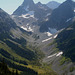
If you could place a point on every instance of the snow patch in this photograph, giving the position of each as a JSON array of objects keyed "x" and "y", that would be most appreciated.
[
  {"x": 27, "y": 24},
  {"x": 24, "y": 16},
  {"x": 48, "y": 14},
  {"x": 55, "y": 36},
  {"x": 68, "y": 19},
  {"x": 74, "y": 10},
  {"x": 48, "y": 33},
  {"x": 56, "y": 54},
  {"x": 46, "y": 19},
  {"x": 47, "y": 39},
  {"x": 52, "y": 55},
  {"x": 29, "y": 29},
  {"x": 28, "y": 15},
  {"x": 59, "y": 54}
]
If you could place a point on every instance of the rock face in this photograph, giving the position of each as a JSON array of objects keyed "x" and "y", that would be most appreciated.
[
  {"x": 29, "y": 15},
  {"x": 29, "y": 7},
  {"x": 61, "y": 17},
  {"x": 53, "y": 4},
  {"x": 25, "y": 7}
]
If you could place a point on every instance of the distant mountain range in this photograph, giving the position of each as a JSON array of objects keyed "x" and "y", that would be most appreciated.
[{"x": 53, "y": 4}]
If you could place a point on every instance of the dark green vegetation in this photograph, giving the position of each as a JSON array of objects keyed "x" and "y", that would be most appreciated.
[
  {"x": 66, "y": 42},
  {"x": 6, "y": 23},
  {"x": 4, "y": 70},
  {"x": 15, "y": 51}
]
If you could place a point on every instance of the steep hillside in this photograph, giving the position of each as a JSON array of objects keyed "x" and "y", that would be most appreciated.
[
  {"x": 65, "y": 42},
  {"x": 61, "y": 52},
  {"x": 61, "y": 17},
  {"x": 6, "y": 23},
  {"x": 15, "y": 50}
]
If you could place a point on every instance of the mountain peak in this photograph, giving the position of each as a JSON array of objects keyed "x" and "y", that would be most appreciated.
[
  {"x": 28, "y": 2},
  {"x": 53, "y": 4},
  {"x": 39, "y": 3}
]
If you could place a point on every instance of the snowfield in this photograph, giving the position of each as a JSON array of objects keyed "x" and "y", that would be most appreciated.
[
  {"x": 28, "y": 15},
  {"x": 56, "y": 54},
  {"x": 55, "y": 36},
  {"x": 48, "y": 33},
  {"x": 68, "y": 19},
  {"x": 74, "y": 9},
  {"x": 52, "y": 55},
  {"x": 59, "y": 54},
  {"x": 47, "y": 39},
  {"x": 24, "y": 16},
  {"x": 48, "y": 14},
  {"x": 27, "y": 29}
]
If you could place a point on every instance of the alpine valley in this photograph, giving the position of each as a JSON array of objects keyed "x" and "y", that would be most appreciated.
[{"x": 38, "y": 39}]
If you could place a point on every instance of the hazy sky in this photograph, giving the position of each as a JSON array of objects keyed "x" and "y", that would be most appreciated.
[{"x": 10, "y": 5}]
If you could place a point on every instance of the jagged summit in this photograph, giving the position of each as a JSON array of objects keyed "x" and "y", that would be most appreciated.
[
  {"x": 27, "y": 5},
  {"x": 39, "y": 3},
  {"x": 28, "y": 2}
]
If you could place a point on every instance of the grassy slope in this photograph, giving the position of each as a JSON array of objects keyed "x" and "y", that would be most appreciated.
[
  {"x": 14, "y": 49},
  {"x": 20, "y": 61}
]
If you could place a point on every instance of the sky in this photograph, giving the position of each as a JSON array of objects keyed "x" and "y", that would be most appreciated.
[{"x": 11, "y": 5}]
